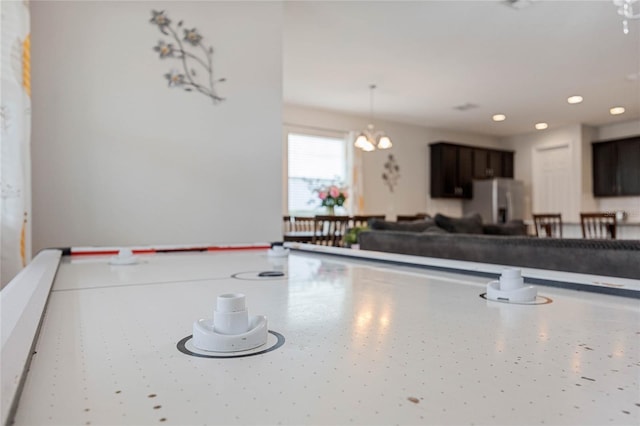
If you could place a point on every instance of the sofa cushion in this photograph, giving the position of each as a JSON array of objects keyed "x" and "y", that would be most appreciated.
[
  {"x": 617, "y": 258},
  {"x": 460, "y": 225},
  {"x": 409, "y": 226},
  {"x": 514, "y": 227}
]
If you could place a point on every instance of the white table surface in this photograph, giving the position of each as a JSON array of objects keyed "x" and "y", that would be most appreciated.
[{"x": 366, "y": 343}]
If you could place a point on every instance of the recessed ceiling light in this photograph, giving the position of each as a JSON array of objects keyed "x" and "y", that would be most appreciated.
[
  {"x": 541, "y": 126},
  {"x": 499, "y": 117},
  {"x": 617, "y": 110},
  {"x": 576, "y": 99}
]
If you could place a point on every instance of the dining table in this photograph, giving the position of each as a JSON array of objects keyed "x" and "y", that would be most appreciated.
[{"x": 298, "y": 236}]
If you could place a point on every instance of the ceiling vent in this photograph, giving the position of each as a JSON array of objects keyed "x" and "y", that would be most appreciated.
[{"x": 465, "y": 107}]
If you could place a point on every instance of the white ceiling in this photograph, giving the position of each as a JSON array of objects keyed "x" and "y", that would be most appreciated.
[{"x": 429, "y": 56}]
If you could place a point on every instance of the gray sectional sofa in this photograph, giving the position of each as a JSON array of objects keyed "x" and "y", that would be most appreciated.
[{"x": 457, "y": 238}]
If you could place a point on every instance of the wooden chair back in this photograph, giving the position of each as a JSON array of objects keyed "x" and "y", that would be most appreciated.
[
  {"x": 598, "y": 225},
  {"x": 548, "y": 225},
  {"x": 330, "y": 230},
  {"x": 286, "y": 224},
  {"x": 302, "y": 223},
  {"x": 297, "y": 228},
  {"x": 360, "y": 221}
]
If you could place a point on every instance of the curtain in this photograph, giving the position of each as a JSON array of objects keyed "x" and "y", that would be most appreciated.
[
  {"x": 356, "y": 185},
  {"x": 15, "y": 131}
]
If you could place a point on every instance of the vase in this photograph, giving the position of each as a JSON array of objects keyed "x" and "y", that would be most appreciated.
[{"x": 331, "y": 211}]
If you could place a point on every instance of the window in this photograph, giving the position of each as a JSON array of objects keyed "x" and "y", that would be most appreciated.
[{"x": 313, "y": 158}]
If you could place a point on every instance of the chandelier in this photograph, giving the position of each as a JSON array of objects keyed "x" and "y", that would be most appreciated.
[
  {"x": 370, "y": 139},
  {"x": 628, "y": 9}
]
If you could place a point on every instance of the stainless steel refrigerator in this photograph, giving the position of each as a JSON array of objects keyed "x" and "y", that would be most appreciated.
[{"x": 498, "y": 200}]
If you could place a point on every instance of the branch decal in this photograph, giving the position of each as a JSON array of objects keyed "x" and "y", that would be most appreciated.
[
  {"x": 391, "y": 172},
  {"x": 187, "y": 78}
]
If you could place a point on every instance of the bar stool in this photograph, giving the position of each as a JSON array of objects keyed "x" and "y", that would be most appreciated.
[
  {"x": 548, "y": 225},
  {"x": 598, "y": 225}
]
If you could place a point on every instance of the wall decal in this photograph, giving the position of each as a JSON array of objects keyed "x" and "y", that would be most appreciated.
[
  {"x": 186, "y": 78},
  {"x": 391, "y": 172}
]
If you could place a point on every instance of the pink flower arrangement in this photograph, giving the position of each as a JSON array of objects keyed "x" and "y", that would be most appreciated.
[{"x": 332, "y": 196}]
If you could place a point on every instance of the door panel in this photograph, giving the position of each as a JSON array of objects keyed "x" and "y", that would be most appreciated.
[
  {"x": 495, "y": 164},
  {"x": 449, "y": 160},
  {"x": 605, "y": 182},
  {"x": 465, "y": 166},
  {"x": 480, "y": 163},
  {"x": 552, "y": 181},
  {"x": 629, "y": 167}
]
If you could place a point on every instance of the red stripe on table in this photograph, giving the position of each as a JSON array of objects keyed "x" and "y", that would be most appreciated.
[
  {"x": 238, "y": 248},
  {"x": 170, "y": 250},
  {"x": 103, "y": 252}
]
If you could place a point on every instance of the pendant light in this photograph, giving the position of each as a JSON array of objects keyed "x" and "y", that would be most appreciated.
[{"x": 371, "y": 139}]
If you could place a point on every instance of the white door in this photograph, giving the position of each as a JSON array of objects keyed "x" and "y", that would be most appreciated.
[{"x": 552, "y": 180}]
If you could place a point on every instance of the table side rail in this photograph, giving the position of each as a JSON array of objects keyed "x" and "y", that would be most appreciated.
[
  {"x": 23, "y": 301},
  {"x": 597, "y": 283}
]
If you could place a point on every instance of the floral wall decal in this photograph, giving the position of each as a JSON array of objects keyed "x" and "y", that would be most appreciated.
[
  {"x": 391, "y": 172},
  {"x": 186, "y": 78}
]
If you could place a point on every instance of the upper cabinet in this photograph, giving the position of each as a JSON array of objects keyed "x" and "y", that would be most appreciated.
[
  {"x": 490, "y": 163},
  {"x": 454, "y": 166},
  {"x": 451, "y": 171},
  {"x": 616, "y": 167}
]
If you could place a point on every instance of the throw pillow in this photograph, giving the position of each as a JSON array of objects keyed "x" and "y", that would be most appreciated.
[
  {"x": 514, "y": 227},
  {"x": 464, "y": 225}
]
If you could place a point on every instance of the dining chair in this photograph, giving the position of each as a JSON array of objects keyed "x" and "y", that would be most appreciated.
[
  {"x": 598, "y": 225},
  {"x": 548, "y": 225},
  {"x": 302, "y": 223},
  {"x": 329, "y": 230},
  {"x": 297, "y": 228},
  {"x": 287, "y": 225},
  {"x": 361, "y": 221}
]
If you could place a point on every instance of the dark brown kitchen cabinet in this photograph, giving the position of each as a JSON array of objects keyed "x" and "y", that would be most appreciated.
[
  {"x": 507, "y": 164},
  {"x": 616, "y": 167},
  {"x": 605, "y": 182},
  {"x": 490, "y": 163},
  {"x": 454, "y": 166},
  {"x": 451, "y": 171}
]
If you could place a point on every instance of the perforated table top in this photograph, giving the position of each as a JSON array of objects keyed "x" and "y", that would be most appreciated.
[{"x": 364, "y": 343}]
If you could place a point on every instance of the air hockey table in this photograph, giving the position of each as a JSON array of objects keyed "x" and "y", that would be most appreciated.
[{"x": 355, "y": 337}]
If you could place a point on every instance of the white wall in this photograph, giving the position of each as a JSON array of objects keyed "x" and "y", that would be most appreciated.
[
  {"x": 579, "y": 137},
  {"x": 619, "y": 130},
  {"x": 410, "y": 149},
  {"x": 120, "y": 159},
  {"x": 524, "y": 146}
]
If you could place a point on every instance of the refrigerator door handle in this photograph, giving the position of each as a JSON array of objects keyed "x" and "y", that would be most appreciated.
[{"x": 507, "y": 217}]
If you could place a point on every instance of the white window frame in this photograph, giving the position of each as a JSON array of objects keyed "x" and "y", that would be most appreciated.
[{"x": 308, "y": 131}]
